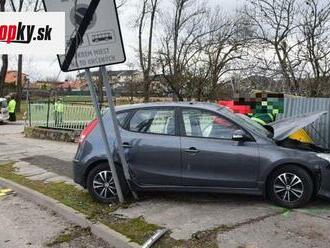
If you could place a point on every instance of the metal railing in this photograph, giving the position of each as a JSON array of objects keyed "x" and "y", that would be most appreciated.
[{"x": 74, "y": 117}]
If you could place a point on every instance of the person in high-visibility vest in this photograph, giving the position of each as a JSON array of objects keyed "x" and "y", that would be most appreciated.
[
  {"x": 264, "y": 118},
  {"x": 12, "y": 109},
  {"x": 59, "y": 110}
]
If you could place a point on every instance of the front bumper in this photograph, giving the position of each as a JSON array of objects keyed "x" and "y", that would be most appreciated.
[{"x": 325, "y": 183}]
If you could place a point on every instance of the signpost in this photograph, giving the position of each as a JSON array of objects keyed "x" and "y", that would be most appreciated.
[{"x": 93, "y": 39}]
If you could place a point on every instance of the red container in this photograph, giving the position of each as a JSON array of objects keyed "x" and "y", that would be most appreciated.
[{"x": 241, "y": 109}]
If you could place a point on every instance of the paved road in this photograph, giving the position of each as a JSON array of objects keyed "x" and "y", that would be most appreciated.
[
  {"x": 24, "y": 224},
  {"x": 27, "y": 225},
  {"x": 54, "y": 156}
]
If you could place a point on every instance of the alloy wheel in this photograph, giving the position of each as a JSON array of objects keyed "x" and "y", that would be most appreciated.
[
  {"x": 104, "y": 185},
  {"x": 289, "y": 187}
]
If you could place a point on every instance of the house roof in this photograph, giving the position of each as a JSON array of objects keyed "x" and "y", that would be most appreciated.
[
  {"x": 11, "y": 77},
  {"x": 77, "y": 84}
]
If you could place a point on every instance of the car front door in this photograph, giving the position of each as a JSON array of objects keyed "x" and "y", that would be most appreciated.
[
  {"x": 210, "y": 157},
  {"x": 153, "y": 146}
]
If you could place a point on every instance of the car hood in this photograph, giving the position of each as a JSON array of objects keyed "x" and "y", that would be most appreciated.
[{"x": 285, "y": 127}]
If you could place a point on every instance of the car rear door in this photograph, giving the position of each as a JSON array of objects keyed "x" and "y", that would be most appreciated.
[
  {"x": 152, "y": 145},
  {"x": 209, "y": 155}
]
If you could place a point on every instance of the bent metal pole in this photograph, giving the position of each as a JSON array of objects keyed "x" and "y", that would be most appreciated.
[
  {"x": 114, "y": 123},
  {"x": 104, "y": 136}
]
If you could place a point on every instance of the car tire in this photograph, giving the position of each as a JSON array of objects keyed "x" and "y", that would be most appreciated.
[
  {"x": 101, "y": 186},
  {"x": 290, "y": 187}
]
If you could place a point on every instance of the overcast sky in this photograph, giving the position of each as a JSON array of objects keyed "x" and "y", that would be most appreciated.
[{"x": 40, "y": 67}]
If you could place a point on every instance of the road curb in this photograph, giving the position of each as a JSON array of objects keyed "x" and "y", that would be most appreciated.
[{"x": 99, "y": 230}]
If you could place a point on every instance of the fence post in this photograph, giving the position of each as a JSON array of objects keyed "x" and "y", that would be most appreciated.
[{"x": 48, "y": 112}]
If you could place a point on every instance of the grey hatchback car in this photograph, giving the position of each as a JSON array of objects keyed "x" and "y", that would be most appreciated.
[{"x": 200, "y": 147}]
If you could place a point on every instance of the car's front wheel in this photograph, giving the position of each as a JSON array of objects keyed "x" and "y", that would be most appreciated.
[
  {"x": 101, "y": 185},
  {"x": 290, "y": 187}
]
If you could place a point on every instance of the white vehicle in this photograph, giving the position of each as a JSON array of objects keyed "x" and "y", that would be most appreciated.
[{"x": 4, "y": 115}]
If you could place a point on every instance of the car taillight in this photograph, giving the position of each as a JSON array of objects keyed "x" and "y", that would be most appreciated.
[{"x": 90, "y": 127}]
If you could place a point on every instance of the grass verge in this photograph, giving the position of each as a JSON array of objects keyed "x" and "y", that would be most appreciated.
[
  {"x": 136, "y": 229},
  {"x": 68, "y": 236}
]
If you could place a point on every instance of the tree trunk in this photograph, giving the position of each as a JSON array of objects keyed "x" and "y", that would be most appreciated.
[
  {"x": 4, "y": 66},
  {"x": 100, "y": 89},
  {"x": 3, "y": 73},
  {"x": 19, "y": 83},
  {"x": 150, "y": 43},
  {"x": 146, "y": 88},
  {"x": 146, "y": 60}
]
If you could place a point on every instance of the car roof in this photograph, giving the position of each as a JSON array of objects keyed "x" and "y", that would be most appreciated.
[{"x": 203, "y": 105}]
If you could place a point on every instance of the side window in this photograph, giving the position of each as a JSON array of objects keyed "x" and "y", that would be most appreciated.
[
  {"x": 121, "y": 117},
  {"x": 156, "y": 121},
  {"x": 199, "y": 123}
]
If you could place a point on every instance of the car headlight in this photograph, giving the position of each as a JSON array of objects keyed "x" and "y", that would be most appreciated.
[{"x": 325, "y": 156}]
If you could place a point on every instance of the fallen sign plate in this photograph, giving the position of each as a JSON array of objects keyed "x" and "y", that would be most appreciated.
[{"x": 102, "y": 43}]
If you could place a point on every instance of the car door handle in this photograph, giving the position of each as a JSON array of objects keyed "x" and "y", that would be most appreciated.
[
  {"x": 192, "y": 150},
  {"x": 127, "y": 145}
]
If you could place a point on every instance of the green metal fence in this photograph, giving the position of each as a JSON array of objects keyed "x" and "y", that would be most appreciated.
[{"x": 74, "y": 117}]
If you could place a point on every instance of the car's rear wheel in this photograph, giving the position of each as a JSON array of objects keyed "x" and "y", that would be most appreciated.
[
  {"x": 290, "y": 187},
  {"x": 101, "y": 185}
]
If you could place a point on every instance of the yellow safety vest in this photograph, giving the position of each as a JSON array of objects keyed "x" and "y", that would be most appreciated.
[
  {"x": 261, "y": 122},
  {"x": 12, "y": 106},
  {"x": 59, "y": 107}
]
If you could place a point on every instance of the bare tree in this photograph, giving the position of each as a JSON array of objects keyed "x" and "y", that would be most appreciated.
[
  {"x": 222, "y": 50},
  {"x": 315, "y": 49},
  {"x": 3, "y": 73},
  {"x": 146, "y": 20},
  {"x": 134, "y": 84},
  {"x": 275, "y": 27},
  {"x": 182, "y": 34},
  {"x": 17, "y": 6},
  {"x": 4, "y": 66},
  {"x": 99, "y": 86}
]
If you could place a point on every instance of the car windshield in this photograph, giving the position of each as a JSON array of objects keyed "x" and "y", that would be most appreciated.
[{"x": 245, "y": 121}]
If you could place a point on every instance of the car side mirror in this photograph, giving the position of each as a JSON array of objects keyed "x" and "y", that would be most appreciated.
[{"x": 240, "y": 135}]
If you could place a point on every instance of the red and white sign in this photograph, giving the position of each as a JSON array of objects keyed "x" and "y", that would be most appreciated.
[{"x": 32, "y": 33}]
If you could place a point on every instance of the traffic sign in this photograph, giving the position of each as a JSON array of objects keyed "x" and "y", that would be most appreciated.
[
  {"x": 94, "y": 40},
  {"x": 99, "y": 43}
]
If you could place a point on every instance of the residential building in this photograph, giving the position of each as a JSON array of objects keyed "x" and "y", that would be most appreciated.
[{"x": 11, "y": 79}]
